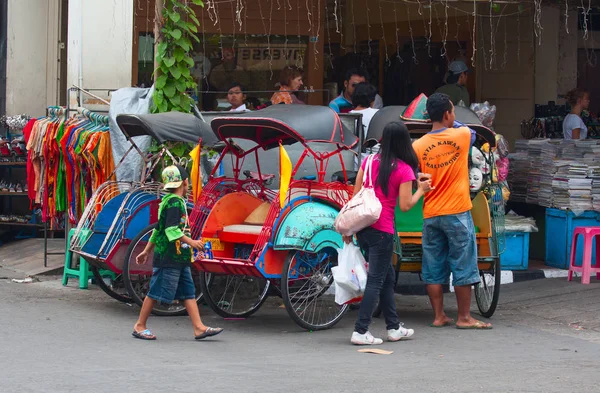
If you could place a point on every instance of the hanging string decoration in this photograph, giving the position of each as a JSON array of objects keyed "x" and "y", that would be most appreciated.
[
  {"x": 342, "y": 46},
  {"x": 537, "y": 20},
  {"x": 328, "y": 32},
  {"x": 316, "y": 51},
  {"x": 368, "y": 29},
  {"x": 335, "y": 11},
  {"x": 445, "y": 35},
  {"x": 412, "y": 38},
  {"x": 567, "y": 16},
  {"x": 474, "y": 56},
  {"x": 492, "y": 38},
  {"x": 518, "y": 39},
  {"x": 269, "y": 51},
  {"x": 239, "y": 8},
  {"x": 504, "y": 59},
  {"x": 397, "y": 35},
  {"x": 353, "y": 26},
  {"x": 300, "y": 59},
  {"x": 383, "y": 37}
]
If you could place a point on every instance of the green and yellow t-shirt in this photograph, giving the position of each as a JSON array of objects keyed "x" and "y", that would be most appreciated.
[{"x": 169, "y": 250}]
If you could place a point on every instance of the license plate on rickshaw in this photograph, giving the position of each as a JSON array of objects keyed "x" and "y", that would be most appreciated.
[{"x": 215, "y": 243}]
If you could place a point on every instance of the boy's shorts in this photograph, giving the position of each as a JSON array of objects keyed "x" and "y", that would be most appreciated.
[
  {"x": 170, "y": 283},
  {"x": 449, "y": 245}
]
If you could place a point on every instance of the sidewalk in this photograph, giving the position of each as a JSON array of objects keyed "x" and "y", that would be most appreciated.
[
  {"x": 554, "y": 305},
  {"x": 25, "y": 258}
]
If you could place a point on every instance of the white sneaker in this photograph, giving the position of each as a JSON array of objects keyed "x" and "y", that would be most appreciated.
[
  {"x": 365, "y": 339},
  {"x": 399, "y": 334}
]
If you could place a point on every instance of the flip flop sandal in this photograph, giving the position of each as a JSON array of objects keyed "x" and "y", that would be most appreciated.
[
  {"x": 144, "y": 335},
  {"x": 210, "y": 332},
  {"x": 445, "y": 324},
  {"x": 478, "y": 326}
]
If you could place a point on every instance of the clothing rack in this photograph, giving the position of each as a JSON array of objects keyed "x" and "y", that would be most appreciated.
[{"x": 66, "y": 112}]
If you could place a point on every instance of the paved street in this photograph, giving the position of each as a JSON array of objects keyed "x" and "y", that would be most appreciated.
[{"x": 55, "y": 339}]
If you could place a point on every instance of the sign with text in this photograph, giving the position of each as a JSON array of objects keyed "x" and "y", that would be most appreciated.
[{"x": 263, "y": 57}]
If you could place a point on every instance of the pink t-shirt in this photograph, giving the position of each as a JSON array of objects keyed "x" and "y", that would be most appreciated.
[{"x": 402, "y": 174}]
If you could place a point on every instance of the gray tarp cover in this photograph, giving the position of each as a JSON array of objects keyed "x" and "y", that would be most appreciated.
[
  {"x": 132, "y": 101},
  {"x": 170, "y": 126}
]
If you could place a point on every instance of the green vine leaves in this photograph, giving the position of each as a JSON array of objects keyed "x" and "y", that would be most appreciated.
[{"x": 173, "y": 76}]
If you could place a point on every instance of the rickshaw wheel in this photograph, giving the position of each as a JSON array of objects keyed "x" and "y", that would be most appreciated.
[
  {"x": 137, "y": 285},
  {"x": 117, "y": 290},
  {"x": 307, "y": 289},
  {"x": 234, "y": 296},
  {"x": 487, "y": 292}
]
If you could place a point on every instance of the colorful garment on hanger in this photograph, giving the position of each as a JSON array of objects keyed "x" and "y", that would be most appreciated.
[{"x": 68, "y": 160}]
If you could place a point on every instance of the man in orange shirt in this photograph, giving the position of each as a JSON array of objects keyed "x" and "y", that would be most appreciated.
[{"x": 449, "y": 243}]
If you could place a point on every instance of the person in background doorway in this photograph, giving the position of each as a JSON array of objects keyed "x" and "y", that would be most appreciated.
[
  {"x": 456, "y": 84},
  {"x": 343, "y": 103},
  {"x": 364, "y": 99},
  {"x": 573, "y": 126},
  {"x": 290, "y": 81},
  {"x": 449, "y": 243},
  {"x": 237, "y": 98}
]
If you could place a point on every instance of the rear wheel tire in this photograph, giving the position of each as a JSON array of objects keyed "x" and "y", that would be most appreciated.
[{"x": 307, "y": 289}]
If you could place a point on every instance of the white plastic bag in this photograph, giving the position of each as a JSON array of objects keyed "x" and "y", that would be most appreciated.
[{"x": 350, "y": 275}]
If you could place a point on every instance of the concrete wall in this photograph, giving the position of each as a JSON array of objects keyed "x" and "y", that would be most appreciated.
[
  {"x": 556, "y": 57},
  {"x": 507, "y": 84},
  {"x": 32, "y": 56},
  {"x": 100, "y": 44}
]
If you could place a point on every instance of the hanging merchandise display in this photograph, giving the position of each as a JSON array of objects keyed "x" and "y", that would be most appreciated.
[{"x": 68, "y": 160}]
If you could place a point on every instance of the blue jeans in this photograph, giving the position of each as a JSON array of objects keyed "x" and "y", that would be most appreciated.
[
  {"x": 449, "y": 245},
  {"x": 170, "y": 283},
  {"x": 381, "y": 279}
]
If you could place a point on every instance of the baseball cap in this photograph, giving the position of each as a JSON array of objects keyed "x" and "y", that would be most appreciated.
[
  {"x": 458, "y": 67},
  {"x": 173, "y": 176}
]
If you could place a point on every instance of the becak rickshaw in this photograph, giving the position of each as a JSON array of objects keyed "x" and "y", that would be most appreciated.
[
  {"x": 261, "y": 241},
  {"x": 119, "y": 210},
  {"x": 487, "y": 199}
]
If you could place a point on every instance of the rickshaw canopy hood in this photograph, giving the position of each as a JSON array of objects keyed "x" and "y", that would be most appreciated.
[
  {"x": 167, "y": 127},
  {"x": 392, "y": 113},
  {"x": 287, "y": 124}
]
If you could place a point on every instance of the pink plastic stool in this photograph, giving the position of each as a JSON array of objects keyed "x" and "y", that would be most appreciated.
[{"x": 586, "y": 269}]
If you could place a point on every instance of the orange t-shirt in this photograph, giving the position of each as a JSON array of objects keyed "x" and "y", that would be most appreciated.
[{"x": 445, "y": 155}]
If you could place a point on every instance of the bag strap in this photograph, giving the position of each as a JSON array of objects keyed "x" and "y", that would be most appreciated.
[{"x": 367, "y": 180}]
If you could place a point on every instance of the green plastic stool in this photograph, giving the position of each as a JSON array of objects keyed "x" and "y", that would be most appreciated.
[{"x": 83, "y": 273}]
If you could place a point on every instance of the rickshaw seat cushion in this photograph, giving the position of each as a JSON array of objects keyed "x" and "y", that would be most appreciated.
[
  {"x": 245, "y": 229},
  {"x": 244, "y": 234},
  {"x": 259, "y": 215}
]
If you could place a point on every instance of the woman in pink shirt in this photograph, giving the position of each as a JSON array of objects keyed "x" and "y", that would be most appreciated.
[{"x": 393, "y": 173}]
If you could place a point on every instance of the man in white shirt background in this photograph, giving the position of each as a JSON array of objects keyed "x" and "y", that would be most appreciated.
[{"x": 236, "y": 98}]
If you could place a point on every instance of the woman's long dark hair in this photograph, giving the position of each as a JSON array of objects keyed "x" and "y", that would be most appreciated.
[{"x": 395, "y": 145}]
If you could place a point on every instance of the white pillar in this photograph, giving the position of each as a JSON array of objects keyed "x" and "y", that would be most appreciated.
[
  {"x": 32, "y": 56},
  {"x": 100, "y": 44}
]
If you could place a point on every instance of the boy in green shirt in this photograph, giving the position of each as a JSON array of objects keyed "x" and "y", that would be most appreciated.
[{"x": 171, "y": 273}]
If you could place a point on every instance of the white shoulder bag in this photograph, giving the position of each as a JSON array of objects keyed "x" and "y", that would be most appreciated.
[{"x": 363, "y": 209}]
